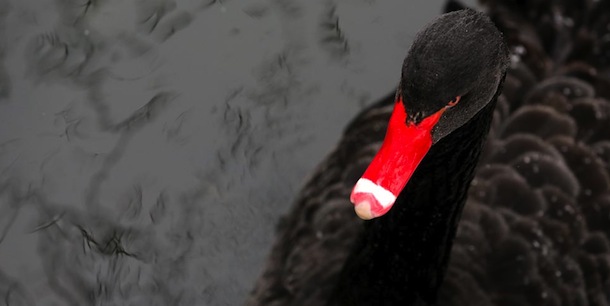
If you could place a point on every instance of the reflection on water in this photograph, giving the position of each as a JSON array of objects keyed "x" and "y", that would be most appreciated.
[{"x": 147, "y": 148}]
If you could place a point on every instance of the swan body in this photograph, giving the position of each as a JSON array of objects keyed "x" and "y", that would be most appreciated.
[{"x": 533, "y": 220}]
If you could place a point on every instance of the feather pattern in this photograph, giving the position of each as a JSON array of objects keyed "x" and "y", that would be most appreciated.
[{"x": 536, "y": 225}]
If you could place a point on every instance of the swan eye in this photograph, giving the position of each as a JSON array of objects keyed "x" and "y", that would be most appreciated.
[{"x": 453, "y": 102}]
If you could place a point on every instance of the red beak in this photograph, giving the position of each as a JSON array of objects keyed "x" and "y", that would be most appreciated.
[{"x": 402, "y": 150}]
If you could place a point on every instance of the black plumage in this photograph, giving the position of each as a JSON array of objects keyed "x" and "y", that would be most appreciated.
[
  {"x": 551, "y": 196},
  {"x": 535, "y": 228}
]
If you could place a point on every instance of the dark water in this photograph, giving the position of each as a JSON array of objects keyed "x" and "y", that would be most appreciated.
[{"x": 147, "y": 148}]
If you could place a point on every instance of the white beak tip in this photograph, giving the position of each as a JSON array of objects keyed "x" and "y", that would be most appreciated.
[{"x": 371, "y": 200}]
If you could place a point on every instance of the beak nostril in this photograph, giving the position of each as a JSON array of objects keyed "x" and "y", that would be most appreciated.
[{"x": 453, "y": 102}]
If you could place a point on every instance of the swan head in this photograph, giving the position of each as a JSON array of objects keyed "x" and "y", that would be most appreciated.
[{"x": 453, "y": 70}]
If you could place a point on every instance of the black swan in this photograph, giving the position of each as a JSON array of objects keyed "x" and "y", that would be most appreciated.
[{"x": 535, "y": 228}]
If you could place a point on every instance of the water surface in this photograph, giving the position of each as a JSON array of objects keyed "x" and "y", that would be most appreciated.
[{"x": 147, "y": 148}]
